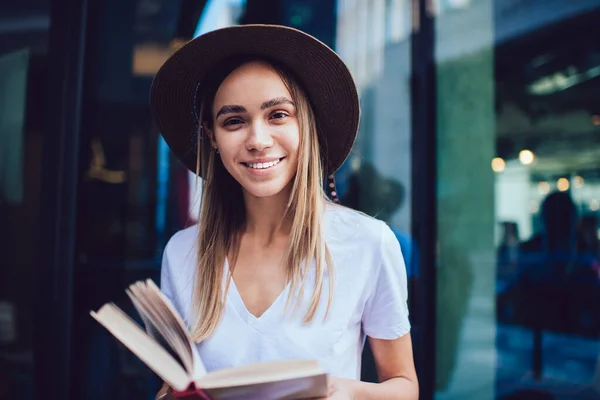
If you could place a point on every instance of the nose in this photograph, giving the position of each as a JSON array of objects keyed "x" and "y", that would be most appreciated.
[{"x": 259, "y": 137}]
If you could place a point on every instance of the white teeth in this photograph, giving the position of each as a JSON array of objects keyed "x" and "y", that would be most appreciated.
[{"x": 263, "y": 165}]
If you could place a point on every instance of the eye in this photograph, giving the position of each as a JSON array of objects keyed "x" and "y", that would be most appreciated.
[
  {"x": 233, "y": 122},
  {"x": 279, "y": 115}
]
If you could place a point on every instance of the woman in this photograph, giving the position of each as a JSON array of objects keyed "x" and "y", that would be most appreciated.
[{"x": 273, "y": 270}]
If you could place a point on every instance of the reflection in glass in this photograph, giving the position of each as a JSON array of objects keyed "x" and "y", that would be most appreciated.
[
  {"x": 518, "y": 82},
  {"x": 23, "y": 64},
  {"x": 373, "y": 38}
]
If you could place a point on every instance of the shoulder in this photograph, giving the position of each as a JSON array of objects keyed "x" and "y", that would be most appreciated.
[
  {"x": 349, "y": 226},
  {"x": 180, "y": 250},
  {"x": 178, "y": 266},
  {"x": 183, "y": 239}
]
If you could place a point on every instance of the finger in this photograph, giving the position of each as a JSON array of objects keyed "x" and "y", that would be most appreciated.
[{"x": 164, "y": 392}]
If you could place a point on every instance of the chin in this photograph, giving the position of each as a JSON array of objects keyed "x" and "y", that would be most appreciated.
[
  {"x": 263, "y": 192},
  {"x": 265, "y": 189}
]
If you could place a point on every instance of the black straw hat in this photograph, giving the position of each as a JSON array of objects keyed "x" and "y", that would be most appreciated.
[{"x": 331, "y": 91}]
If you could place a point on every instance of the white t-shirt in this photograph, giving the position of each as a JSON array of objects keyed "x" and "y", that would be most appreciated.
[{"x": 370, "y": 299}]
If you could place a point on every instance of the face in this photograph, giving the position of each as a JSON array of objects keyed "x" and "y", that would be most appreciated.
[{"x": 255, "y": 129}]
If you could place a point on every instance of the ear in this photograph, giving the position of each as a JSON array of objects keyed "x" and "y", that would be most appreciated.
[{"x": 210, "y": 135}]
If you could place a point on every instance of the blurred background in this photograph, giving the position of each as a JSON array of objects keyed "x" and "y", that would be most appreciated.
[{"x": 479, "y": 144}]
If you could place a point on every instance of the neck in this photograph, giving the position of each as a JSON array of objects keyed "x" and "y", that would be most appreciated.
[{"x": 265, "y": 216}]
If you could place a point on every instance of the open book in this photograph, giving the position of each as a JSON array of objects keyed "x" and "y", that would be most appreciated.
[{"x": 166, "y": 347}]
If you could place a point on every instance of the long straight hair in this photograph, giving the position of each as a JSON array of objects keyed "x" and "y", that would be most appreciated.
[{"x": 222, "y": 219}]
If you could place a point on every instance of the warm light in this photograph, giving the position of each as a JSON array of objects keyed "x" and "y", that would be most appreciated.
[
  {"x": 594, "y": 205},
  {"x": 578, "y": 182},
  {"x": 544, "y": 187},
  {"x": 498, "y": 164},
  {"x": 563, "y": 184},
  {"x": 526, "y": 157},
  {"x": 596, "y": 120}
]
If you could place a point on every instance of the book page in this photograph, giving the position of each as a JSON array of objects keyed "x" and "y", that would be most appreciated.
[
  {"x": 158, "y": 318},
  {"x": 176, "y": 320},
  {"x": 260, "y": 373},
  {"x": 312, "y": 387},
  {"x": 162, "y": 333},
  {"x": 142, "y": 345}
]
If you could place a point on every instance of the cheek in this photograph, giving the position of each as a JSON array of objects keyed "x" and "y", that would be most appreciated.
[
  {"x": 291, "y": 141},
  {"x": 228, "y": 158},
  {"x": 228, "y": 155},
  {"x": 228, "y": 146}
]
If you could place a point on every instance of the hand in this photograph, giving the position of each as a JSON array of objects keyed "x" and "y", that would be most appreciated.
[
  {"x": 339, "y": 389},
  {"x": 164, "y": 393}
]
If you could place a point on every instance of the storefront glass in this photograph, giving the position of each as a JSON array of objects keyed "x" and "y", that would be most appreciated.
[
  {"x": 24, "y": 37},
  {"x": 518, "y": 95}
]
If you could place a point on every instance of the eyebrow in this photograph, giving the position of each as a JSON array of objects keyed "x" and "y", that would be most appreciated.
[
  {"x": 275, "y": 102},
  {"x": 231, "y": 109}
]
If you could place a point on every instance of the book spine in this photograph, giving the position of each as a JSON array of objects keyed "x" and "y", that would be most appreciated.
[{"x": 192, "y": 394}]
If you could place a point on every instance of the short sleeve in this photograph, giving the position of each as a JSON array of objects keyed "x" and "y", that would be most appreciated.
[
  {"x": 166, "y": 285},
  {"x": 386, "y": 310}
]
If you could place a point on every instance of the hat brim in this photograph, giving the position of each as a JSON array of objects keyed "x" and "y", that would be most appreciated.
[{"x": 321, "y": 73}]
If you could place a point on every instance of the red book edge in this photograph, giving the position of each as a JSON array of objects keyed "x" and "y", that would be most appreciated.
[{"x": 191, "y": 391}]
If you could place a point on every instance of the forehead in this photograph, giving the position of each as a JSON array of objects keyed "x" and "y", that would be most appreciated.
[{"x": 252, "y": 82}]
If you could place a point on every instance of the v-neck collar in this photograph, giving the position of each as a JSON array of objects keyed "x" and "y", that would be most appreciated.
[{"x": 238, "y": 303}]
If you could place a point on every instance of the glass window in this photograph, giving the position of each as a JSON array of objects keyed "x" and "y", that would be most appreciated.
[
  {"x": 24, "y": 32},
  {"x": 517, "y": 276},
  {"x": 132, "y": 194},
  {"x": 376, "y": 179}
]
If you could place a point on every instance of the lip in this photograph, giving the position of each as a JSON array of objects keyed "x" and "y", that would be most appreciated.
[{"x": 263, "y": 171}]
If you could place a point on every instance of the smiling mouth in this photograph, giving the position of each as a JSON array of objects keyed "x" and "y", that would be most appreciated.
[{"x": 265, "y": 165}]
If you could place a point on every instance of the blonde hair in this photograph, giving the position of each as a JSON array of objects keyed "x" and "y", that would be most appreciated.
[{"x": 222, "y": 220}]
